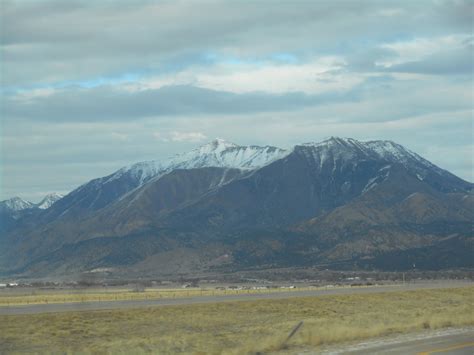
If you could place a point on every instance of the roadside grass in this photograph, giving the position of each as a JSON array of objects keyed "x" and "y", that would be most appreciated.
[
  {"x": 123, "y": 295},
  {"x": 243, "y": 327}
]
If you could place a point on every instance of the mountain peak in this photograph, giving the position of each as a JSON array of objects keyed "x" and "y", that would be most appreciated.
[
  {"x": 16, "y": 204},
  {"x": 217, "y": 144},
  {"x": 335, "y": 139},
  {"x": 382, "y": 147},
  {"x": 221, "y": 141},
  {"x": 48, "y": 200},
  {"x": 348, "y": 149},
  {"x": 222, "y": 153},
  {"x": 216, "y": 153},
  {"x": 330, "y": 141}
]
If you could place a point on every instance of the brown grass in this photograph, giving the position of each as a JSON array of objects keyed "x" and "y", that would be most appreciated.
[
  {"x": 238, "y": 327},
  {"x": 67, "y": 296}
]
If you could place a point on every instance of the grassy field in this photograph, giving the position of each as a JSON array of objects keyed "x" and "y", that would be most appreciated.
[
  {"x": 84, "y": 295},
  {"x": 238, "y": 327}
]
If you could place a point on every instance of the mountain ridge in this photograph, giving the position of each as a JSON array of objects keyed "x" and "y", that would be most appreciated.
[
  {"x": 340, "y": 199},
  {"x": 16, "y": 203}
]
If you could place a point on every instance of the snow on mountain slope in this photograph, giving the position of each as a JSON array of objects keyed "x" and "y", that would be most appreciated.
[
  {"x": 338, "y": 153},
  {"x": 394, "y": 152},
  {"x": 348, "y": 148},
  {"x": 102, "y": 191},
  {"x": 48, "y": 200},
  {"x": 218, "y": 153},
  {"x": 326, "y": 156},
  {"x": 16, "y": 204}
]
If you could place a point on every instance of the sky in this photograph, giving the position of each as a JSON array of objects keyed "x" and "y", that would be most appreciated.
[{"x": 90, "y": 86}]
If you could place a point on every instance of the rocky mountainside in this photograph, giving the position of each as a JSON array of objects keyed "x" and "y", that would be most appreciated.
[
  {"x": 98, "y": 193},
  {"x": 337, "y": 203},
  {"x": 16, "y": 208}
]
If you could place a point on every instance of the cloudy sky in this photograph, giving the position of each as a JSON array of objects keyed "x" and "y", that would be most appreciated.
[{"x": 90, "y": 86}]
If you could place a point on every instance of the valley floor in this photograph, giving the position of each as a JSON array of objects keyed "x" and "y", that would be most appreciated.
[
  {"x": 240, "y": 327},
  {"x": 64, "y": 300}
]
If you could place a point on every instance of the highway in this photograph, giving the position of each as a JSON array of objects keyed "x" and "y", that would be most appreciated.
[
  {"x": 104, "y": 305},
  {"x": 440, "y": 342}
]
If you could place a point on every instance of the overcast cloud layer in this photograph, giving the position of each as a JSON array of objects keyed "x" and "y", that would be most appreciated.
[{"x": 90, "y": 86}]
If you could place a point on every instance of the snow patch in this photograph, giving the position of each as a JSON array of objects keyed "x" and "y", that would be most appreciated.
[
  {"x": 411, "y": 196},
  {"x": 218, "y": 153},
  {"x": 16, "y": 204},
  {"x": 48, "y": 200},
  {"x": 370, "y": 184}
]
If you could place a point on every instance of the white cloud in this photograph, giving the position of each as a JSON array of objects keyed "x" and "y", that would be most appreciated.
[
  {"x": 28, "y": 95},
  {"x": 159, "y": 136},
  {"x": 316, "y": 76},
  {"x": 420, "y": 48},
  {"x": 63, "y": 132},
  {"x": 187, "y": 136},
  {"x": 179, "y": 136},
  {"x": 320, "y": 75}
]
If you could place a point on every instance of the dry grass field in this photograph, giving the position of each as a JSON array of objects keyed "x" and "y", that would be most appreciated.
[
  {"x": 238, "y": 327},
  {"x": 84, "y": 295}
]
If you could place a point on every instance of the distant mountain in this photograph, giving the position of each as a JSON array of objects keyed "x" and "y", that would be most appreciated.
[
  {"x": 10, "y": 212},
  {"x": 100, "y": 192},
  {"x": 15, "y": 208},
  {"x": 337, "y": 203},
  {"x": 48, "y": 200},
  {"x": 15, "y": 204}
]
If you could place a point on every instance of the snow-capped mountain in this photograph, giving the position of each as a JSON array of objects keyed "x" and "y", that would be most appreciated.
[
  {"x": 218, "y": 153},
  {"x": 348, "y": 148},
  {"x": 48, "y": 200},
  {"x": 342, "y": 152},
  {"x": 223, "y": 154},
  {"x": 326, "y": 157},
  {"x": 15, "y": 204},
  {"x": 332, "y": 201}
]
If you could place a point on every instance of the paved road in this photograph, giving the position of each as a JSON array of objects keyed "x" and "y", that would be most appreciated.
[
  {"x": 103, "y": 305},
  {"x": 441, "y": 342}
]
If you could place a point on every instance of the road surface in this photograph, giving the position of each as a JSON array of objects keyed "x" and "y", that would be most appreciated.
[
  {"x": 104, "y": 305},
  {"x": 441, "y": 342}
]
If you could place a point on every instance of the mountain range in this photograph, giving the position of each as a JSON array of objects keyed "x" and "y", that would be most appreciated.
[
  {"x": 339, "y": 203},
  {"x": 16, "y": 204},
  {"x": 14, "y": 208}
]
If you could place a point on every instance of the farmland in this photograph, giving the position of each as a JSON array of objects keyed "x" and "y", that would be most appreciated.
[{"x": 239, "y": 327}]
